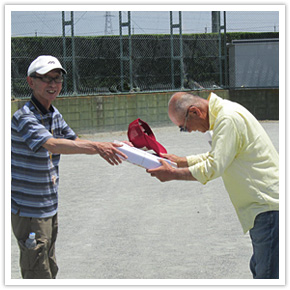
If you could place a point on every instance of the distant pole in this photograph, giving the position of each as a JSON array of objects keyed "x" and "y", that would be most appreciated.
[
  {"x": 176, "y": 54},
  {"x": 215, "y": 21},
  {"x": 125, "y": 58},
  {"x": 72, "y": 57},
  {"x": 108, "y": 23}
]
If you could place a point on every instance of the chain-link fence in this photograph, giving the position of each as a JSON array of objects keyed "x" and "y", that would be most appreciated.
[{"x": 115, "y": 52}]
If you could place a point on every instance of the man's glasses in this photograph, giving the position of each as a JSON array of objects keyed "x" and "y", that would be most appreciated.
[
  {"x": 183, "y": 128},
  {"x": 48, "y": 80}
]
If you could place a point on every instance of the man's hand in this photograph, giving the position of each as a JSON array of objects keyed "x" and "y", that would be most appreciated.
[
  {"x": 180, "y": 161},
  {"x": 128, "y": 143},
  {"x": 166, "y": 172},
  {"x": 163, "y": 173},
  {"x": 110, "y": 153}
]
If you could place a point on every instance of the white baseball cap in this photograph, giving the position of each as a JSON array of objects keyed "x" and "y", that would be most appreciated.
[{"x": 44, "y": 64}]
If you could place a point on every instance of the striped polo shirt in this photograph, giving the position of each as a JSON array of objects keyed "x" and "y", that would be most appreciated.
[{"x": 34, "y": 170}]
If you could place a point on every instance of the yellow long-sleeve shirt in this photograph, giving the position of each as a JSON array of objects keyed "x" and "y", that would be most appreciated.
[{"x": 244, "y": 156}]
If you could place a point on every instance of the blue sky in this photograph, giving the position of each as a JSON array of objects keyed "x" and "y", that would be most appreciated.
[{"x": 88, "y": 23}]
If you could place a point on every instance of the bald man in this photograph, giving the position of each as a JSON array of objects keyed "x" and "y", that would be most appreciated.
[{"x": 244, "y": 156}]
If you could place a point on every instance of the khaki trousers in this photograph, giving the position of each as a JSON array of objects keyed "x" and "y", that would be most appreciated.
[{"x": 40, "y": 262}]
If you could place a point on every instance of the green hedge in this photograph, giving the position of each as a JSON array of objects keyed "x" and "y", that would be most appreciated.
[{"x": 97, "y": 60}]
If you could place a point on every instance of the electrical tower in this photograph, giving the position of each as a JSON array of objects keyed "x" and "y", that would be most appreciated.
[{"x": 108, "y": 23}]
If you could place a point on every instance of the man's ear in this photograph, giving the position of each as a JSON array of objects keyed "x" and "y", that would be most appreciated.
[
  {"x": 30, "y": 81},
  {"x": 195, "y": 110}
]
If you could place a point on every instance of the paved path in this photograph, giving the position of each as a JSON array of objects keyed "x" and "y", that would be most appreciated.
[{"x": 117, "y": 222}]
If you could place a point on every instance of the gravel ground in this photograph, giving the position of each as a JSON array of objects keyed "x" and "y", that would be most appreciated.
[{"x": 117, "y": 222}]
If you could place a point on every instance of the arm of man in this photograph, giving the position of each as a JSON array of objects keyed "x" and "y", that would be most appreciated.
[
  {"x": 167, "y": 173},
  {"x": 180, "y": 161},
  {"x": 106, "y": 150}
]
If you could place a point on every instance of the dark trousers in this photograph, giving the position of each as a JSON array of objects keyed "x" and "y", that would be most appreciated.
[
  {"x": 264, "y": 263},
  {"x": 40, "y": 262}
]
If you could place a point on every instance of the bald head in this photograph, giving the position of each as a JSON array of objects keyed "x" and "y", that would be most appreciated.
[
  {"x": 179, "y": 103},
  {"x": 189, "y": 112}
]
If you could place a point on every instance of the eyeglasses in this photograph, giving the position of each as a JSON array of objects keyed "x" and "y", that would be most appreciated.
[
  {"x": 183, "y": 128},
  {"x": 48, "y": 80}
]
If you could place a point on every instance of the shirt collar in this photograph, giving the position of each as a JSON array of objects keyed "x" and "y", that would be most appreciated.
[
  {"x": 42, "y": 109},
  {"x": 215, "y": 105}
]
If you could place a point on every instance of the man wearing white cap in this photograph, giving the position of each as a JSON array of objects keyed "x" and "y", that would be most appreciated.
[{"x": 39, "y": 134}]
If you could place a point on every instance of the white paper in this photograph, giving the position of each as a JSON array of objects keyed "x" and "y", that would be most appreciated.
[{"x": 142, "y": 158}]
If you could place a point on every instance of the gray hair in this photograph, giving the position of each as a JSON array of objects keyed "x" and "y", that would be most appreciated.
[{"x": 184, "y": 102}]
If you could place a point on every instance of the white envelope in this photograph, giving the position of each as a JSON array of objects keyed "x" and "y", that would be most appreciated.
[{"x": 142, "y": 158}]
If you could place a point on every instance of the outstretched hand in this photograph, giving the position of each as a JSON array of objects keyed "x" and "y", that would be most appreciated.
[{"x": 110, "y": 153}]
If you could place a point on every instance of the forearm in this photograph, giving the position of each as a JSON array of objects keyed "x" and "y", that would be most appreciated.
[
  {"x": 183, "y": 174},
  {"x": 182, "y": 162},
  {"x": 65, "y": 146},
  {"x": 167, "y": 173},
  {"x": 107, "y": 150}
]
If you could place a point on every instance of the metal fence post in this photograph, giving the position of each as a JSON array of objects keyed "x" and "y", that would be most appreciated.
[
  {"x": 225, "y": 51},
  {"x": 64, "y": 46},
  {"x": 124, "y": 58},
  {"x": 72, "y": 57},
  {"x": 179, "y": 56},
  {"x": 222, "y": 50}
]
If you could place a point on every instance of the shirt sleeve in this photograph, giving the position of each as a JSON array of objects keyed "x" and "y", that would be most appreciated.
[
  {"x": 225, "y": 144},
  {"x": 62, "y": 130},
  {"x": 193, "y": 159},
  {"x": 68, "y": 132},
  {"x": 32, "y": 132}
]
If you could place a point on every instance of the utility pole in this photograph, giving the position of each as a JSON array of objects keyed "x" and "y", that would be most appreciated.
[
  {"x": 215, "y": 21},
  {"x": 108, "y": 23}
]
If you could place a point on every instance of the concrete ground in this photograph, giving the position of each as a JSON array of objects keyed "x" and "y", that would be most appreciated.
[{"x": 117, "y": 222}]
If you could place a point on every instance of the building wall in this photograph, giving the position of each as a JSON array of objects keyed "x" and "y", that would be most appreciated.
[
  {"x": 91, "y": 114},
  {"x": 254, "y": 63}
]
